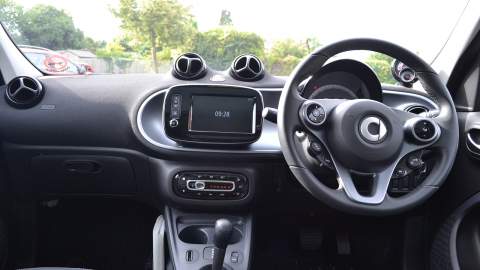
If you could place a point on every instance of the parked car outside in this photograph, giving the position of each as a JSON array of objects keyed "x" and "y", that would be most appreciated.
[{"x": 49, "y": 61}]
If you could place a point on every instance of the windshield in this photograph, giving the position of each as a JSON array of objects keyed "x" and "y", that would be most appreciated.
[{"x": 145, "y": 36}]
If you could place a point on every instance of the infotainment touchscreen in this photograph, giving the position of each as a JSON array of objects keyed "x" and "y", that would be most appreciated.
[
  {"x": 213, "y": 114},
  {"x": 225, "y": 114}
]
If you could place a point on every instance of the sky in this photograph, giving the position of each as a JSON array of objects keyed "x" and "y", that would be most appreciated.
[{"x": 420, "y": 25}]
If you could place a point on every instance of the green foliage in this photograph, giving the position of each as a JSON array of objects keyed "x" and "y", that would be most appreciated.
[
  {"x": 221, "y": 45},
  {"x": 92, "y": 45},
  {"x": 116, "y": 55},
  {"x": 165, "y": 54},
  {"x": 286, "y": 54},
  {"x": 161, "y": 23},
  {"x": 167, "y": 21},
  {"x": 44, "y": 26},
  {"x": 10, "y": 16},
  {"x": 380, "y": 63},
  {"x": 49, "y": 27},
  {"x": 226, "y": 18},
  {"x": 161, "y": 29},
  {"x": 113, "y": 49},
  {"x": 312, "y": 44}
]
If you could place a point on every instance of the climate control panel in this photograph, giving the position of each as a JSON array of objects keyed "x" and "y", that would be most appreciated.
[{"x": 210, "y": 185}]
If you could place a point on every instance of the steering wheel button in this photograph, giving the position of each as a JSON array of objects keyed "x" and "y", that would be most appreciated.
[
  {"x": 176, "y": 99},
  {"x": 175, "y": 114},
  {"x": 414, "y": 162},
  {"x": 400, "y": 172},
  {"x": 424, "y": 129},
  {"x": 173, "y": 123},
  {"x": 316, "y": 147},
  {"x": 315, "y": 114}
]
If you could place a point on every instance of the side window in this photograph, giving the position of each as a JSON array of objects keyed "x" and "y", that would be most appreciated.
[
  {"x": 464, "y": 83},
  {"x": 466, "y": 94}
]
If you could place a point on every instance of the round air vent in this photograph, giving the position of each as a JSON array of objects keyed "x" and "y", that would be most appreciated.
[
  {"x": 189, "y": 66},
  {"x": 23, "y": 92},
  {"x": 247, "y": 67},
  {"x": 417, "y": 109}
]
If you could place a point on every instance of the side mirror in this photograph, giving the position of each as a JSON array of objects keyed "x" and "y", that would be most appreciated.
[{"x": 82, "y": 69}]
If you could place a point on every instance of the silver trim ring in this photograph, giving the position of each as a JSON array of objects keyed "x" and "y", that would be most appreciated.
[
  {"x": 367, "y": 134},
  {"x": 410, "y": 124}
]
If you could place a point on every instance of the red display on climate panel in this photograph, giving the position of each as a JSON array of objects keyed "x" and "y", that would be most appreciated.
[{"x": 219, "y": 185}]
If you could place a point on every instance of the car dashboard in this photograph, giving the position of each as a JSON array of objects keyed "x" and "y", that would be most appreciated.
[{"x": 109, "y": 134}]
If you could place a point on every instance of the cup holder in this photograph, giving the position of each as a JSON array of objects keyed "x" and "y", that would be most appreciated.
[
  {"x": 236, "y": 236},
  {"x": 200, "y": 234},
  {"x": 194, "y": 235}
]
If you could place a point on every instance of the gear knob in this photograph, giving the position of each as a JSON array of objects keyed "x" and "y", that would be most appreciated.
[
  {"x": 221, "y": 238},
  {"x": 223, "y": 233}
]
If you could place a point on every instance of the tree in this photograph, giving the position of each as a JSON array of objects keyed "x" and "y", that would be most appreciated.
[
  {"x": 93, "y": 45},
  {"x": 221, "y": 45},
  {"x": 226, "y": 18},
  {"x": 10, "y": 16},
  {"x": 285, "y": 55},
  {"x": 381, "y": 63},
  {"x": 161, "y": 23},
  {"x": 44, "y": 26},
  {"x": 114, "y": 54},
  {"x": 49, "y": 27},
  {"x": 312, "y": 44}
]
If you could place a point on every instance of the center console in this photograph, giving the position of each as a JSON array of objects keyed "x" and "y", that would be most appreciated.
[
  {"x": 195, "y": 241},
  {"x": 219, "y": 118},
  {"x": 200, "y": 195}
]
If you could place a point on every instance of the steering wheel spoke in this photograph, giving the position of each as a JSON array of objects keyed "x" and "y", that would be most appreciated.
[{"x": 379, "y": 184}]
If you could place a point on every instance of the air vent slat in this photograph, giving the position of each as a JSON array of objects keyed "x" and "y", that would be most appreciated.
[
  {"x": 189, "y": 66},
  {"x": 417, "y": 109},
  {"x": 247, "y": 67},
  {"x": 23, "y": 92}
]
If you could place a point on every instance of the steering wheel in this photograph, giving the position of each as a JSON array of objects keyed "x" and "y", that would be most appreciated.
[{"x": 366, "y": 137}]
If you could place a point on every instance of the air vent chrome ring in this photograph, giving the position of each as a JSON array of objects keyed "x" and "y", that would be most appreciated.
[
  {"x": 189, "y": 66},
  {"x": 24, "y": 92},
  {"x": 247, "y": 67},
  {"x": 417, "y": 109}
]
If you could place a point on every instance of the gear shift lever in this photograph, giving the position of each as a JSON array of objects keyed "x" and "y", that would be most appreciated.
[{"x": 221, "y": 238}]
